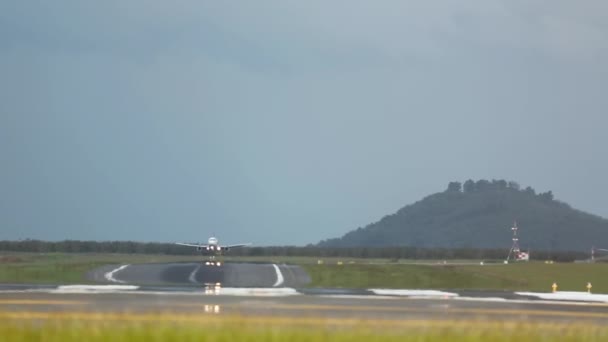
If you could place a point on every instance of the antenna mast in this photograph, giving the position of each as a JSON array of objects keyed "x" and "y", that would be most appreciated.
[{"x": 515, "y": 247}]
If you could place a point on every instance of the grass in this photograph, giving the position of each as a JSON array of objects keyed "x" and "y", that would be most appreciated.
[
  {"x": 532, "y": 276},
  {"x": 65, "y": 268},
  {"x": 166, "y": 327}
]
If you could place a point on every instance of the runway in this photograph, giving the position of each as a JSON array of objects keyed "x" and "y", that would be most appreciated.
[
  {"x": 255, "y": 291},
  {"x": 195, "y": 274},
  {"x": 336, "y": 309}
]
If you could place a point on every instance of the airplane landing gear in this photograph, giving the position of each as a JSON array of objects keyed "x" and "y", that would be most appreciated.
[{"x": 213, "y": 263}]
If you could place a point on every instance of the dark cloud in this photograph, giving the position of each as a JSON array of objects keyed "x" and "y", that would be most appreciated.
[{"x": 288, "y": 122}]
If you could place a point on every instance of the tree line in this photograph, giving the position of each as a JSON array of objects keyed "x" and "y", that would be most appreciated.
[
  {"x": 481, "y": 185},
  {"x": 391, "y": 253}
]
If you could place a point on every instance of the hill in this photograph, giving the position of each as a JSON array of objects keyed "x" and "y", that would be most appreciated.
[{"x": 479, "y": 215}]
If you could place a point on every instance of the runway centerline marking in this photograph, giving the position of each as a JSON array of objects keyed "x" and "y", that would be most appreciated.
[
  {"x": 192, "y": 276},
  {"x": 110, "y": 275},
  {"x": 280, "y": 279}
]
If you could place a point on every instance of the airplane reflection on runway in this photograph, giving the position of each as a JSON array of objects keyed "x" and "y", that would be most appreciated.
[{"x": 213, "y": 288}]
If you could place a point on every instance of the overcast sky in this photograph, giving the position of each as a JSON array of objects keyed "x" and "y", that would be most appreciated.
[{"x": 288, "y": 122}]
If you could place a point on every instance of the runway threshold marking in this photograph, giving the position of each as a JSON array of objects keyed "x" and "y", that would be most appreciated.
[
  {"x": 205, "y": 318},
  {"x": 192, "y": 277},
  {"x": 280, "y": 279},
  {"x": 110, "y": 275}
]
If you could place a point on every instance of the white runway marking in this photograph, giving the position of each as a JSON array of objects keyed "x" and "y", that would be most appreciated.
[
  {"x": 94, "y": 288},
  {"x": 568, "y": 295},
  {"x": 413, "y": 293},
  {"x": 261, "y": 292},
  {"x": 192, "y": 276},
  {"x": 280, "y": 279},
  {"x": 110, "y": 275}
]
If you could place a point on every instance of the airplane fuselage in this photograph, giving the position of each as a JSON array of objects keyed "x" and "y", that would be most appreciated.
[{"x": 212, "y": 247}]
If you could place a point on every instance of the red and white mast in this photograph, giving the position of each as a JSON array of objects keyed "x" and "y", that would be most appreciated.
[{"x": 515, "y": 250}]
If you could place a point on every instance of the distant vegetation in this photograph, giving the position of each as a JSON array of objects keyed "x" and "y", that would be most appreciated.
[
  {"x": 469, "y": 220},
  {"x": 479, "y": 214},
  {"x": 391, "y": 253}
]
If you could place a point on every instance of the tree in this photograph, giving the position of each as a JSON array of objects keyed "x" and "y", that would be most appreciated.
[
  {"x": 454, "y": 187},
  {"x": 469, "y": 186},
  {"x": 547, "y": 196},
  {"x": 500, "y": 184},
  {"x": 482, "y": 185},
  {"x": 513, "y": 185}
]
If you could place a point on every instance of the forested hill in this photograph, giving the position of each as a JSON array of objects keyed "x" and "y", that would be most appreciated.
[{"x": 479, "y": 215}]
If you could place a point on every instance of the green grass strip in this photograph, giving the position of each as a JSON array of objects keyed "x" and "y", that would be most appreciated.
[
  {"x": 167, "y": 327},
  {"x": 532, "y": 276}
]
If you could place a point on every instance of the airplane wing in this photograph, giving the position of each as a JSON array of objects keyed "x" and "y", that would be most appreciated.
[
  {"x": 190, "y": 244},
  {"x": 235, "y": 246}
]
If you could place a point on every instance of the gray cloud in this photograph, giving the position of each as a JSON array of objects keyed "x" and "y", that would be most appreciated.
[{"x": 288, "y": 122}]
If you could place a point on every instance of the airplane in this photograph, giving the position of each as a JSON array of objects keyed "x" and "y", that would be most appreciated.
[{"x": 212, "y": 248}]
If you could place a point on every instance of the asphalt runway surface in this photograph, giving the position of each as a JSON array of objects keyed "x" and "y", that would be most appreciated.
[
  {"x": 193, "y": 274},
  {"x": 328, "y": 309}
]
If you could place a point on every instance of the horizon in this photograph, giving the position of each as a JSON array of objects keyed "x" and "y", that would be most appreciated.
[{"x": 522, "y": 188}]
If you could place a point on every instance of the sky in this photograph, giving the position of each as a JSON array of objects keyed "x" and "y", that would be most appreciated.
[{"x": 287, "y": 122}]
